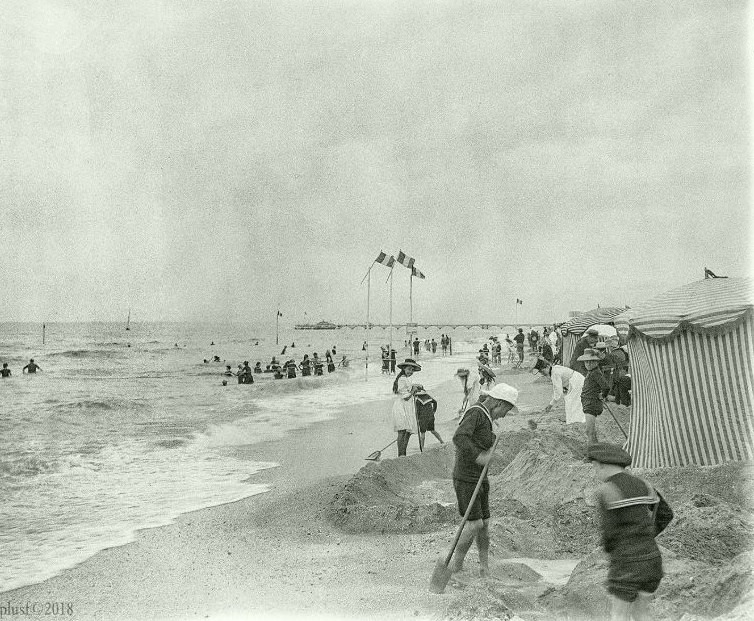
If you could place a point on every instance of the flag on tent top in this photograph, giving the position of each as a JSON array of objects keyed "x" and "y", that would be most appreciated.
[
  {"x": 405, "y": 260},
  {"x": 416, "y": 273},
  {"x": 385, "y": 259}
]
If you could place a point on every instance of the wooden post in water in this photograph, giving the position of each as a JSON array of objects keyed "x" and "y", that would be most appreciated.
[{"x": 44, "y": 327}]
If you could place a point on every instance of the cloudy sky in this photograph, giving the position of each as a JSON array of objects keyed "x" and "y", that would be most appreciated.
[{"x": 213, "y": 160}]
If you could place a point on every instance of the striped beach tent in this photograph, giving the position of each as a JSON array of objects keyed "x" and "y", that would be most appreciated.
[
  {"x": 690, "y": 352},
  {"x": 576, "y": 326}
]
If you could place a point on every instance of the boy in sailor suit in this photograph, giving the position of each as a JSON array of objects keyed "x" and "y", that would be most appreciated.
[{"x": 626, "y": 506}]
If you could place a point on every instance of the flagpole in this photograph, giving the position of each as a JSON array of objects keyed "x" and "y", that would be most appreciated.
[
  {"x": 369, "y": 287},
  {"x": 516, "y": 313},
  {"x": 411, "y": 297},
  {"x": 390, "y": 350},
  {"x": 277, "y": 329}
]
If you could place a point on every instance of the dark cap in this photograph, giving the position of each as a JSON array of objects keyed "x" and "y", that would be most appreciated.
[{"x": 606, "y": 453}]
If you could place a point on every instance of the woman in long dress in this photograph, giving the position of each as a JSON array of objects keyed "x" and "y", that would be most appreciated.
[
  {"x": 566, "y": 383},
  {"x": 404, "y": 409}
]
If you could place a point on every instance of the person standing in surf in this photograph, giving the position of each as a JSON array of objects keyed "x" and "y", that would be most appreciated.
[
  {"x": 5, "y": 371},
  {"x": 404, "y": 409},
  {"x": 306, "y": 366},
  {"x": 31, "y": 367}
]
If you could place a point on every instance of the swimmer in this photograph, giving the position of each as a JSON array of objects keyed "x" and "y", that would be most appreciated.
[
  {"x": 5, "y": 371},
  {"x": 31, "y": 367}
]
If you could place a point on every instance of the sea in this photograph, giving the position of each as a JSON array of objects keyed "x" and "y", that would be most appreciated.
[{"x": 125, "y": 430}]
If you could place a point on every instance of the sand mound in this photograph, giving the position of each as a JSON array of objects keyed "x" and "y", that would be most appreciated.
[
  {"x": 407, "y": 494},
  {"x": 410, "y": 494},
  {"x": 687, "y": 586},
  {"x": 713, "y": 534}
]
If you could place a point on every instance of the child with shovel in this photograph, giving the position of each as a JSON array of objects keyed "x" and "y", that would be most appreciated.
[{"x": 475, "y": 444}]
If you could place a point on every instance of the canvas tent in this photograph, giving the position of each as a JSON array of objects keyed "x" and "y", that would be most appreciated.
[
  {"x": 690, "y": 351},
  {"x": 579, "y": 324}
]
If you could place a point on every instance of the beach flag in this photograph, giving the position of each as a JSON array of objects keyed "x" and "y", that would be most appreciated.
[
  {"x": 416, "y": 273},
  {"x": 405, "y": 260},
  {"x": 385, "y": 259},
  {"x": 519, "y": 301},
  {"x": 280, "y": 314}
]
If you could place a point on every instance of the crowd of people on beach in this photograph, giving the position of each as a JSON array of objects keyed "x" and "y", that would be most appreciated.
[{"x": 631, "y": 511}]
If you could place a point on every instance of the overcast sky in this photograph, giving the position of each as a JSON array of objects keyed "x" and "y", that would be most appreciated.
[{"x": 213, "y": 160}]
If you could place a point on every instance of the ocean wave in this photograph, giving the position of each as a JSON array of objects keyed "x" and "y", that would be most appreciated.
[
  {"x": 87, "y": 353},
  {"x": 25, "y": 466},
  {"x": 101, "y": 405}
]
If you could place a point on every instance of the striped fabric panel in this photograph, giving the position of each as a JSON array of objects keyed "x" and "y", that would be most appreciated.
[
  {"x": 711, "y": 304},
  {"x": 569, "y": 344},
  {"x": 693, "y": 399},
  {"x": 579, "y": 324}
]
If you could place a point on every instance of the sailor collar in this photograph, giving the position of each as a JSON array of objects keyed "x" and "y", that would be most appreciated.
[{"x": 486, "y": 412}]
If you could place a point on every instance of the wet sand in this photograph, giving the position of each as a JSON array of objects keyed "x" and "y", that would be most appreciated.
[
  {"x": 338, "y": 537},
  {"x": 273, "y": 555}
]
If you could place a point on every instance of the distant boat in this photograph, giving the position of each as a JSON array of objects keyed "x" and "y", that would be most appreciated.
[
  {"x": 128, "y": 321},
  {"x": 322, "y": 325}
]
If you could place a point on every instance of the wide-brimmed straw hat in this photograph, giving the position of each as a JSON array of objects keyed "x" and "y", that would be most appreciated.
[
  {"x": 409, "y": 362},
  {"x": 606, "y": 453},
  {"x": 462, "y": 372},
  {"x": 485, "y": 369},
  {"x": 590, "y": 354}
]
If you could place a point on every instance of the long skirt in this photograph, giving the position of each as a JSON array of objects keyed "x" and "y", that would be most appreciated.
[{"x": 574, "y": 411}]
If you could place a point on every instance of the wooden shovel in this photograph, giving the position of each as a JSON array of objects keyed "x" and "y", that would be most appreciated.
[{"x": 442, "y": 572}]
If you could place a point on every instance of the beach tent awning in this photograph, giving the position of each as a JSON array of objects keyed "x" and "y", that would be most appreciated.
[
  {"x": 709, "y": 306},
  {"x": 580, "y": 323}
]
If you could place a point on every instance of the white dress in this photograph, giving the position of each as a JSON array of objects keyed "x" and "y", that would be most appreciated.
[
  {"x": 404, "y": 408},
  {"x": 563, "y": 377}
]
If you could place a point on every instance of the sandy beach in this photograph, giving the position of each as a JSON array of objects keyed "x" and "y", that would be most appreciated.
[{"x": 338, "y": 537}]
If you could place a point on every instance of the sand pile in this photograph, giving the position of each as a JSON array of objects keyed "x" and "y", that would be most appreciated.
[
  {"x": 706, "y": 549},
  {"x": 544, "y": 512},
  {"x": 410, "y": 494}
]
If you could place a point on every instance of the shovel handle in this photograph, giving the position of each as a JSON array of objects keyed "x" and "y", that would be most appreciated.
[
  {"x": 388, "y": 446},
  {"x": 616, "y": 420},
  {"x": 471, "y": 502}
]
